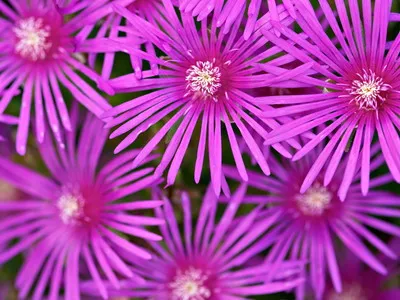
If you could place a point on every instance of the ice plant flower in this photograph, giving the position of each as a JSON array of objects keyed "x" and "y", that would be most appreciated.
[
  {"x": 72, "y": 222},
  {"x": 360, "y": 88},
  {"x": 205, "y": 76},
  {"x": 210, "y": 260},
  {"x": 42, "y": 49},
  {"x": 360, "y": 282},
  {"x": 312, "y": 222}
]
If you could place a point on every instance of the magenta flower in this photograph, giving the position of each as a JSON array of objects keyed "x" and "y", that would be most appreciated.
[
  {"x": 72, "y": 221},
  {"x": 42, "y": 49},
  {"x": 310, "y": 223},
  {"x": 210, "y": 260},
  {"x": 206, "y": 76},
  {"x": 361, "y": 89}
]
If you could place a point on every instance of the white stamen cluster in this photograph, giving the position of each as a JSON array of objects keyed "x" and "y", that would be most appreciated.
[
  {"x": 32, "y": 39},
  {"x": 70, "y": 207},
  {"x": 204, "y": 78},
  {"x": 314, "y": 201},
  {"x": 368, "y": 91},
  {"x": 189, "y": 285}
]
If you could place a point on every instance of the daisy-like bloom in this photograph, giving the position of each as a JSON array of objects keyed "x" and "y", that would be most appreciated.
[
  {"x": 311, "y": 223},
  {"x": 205, "y": 76},
  {"x": 360, "y": 88},
  {"x": 211, "y": 260},
  {"x": 72, "y": 222},
  {"x": 362, "y": 284},
  {"x": 42, "y": 49}
]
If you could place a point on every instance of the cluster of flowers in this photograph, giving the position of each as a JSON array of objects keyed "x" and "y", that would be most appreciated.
[{"x": 308, "y": 90}]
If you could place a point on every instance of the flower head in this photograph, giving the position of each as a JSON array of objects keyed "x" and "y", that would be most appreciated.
[
  {"x": 312, "y": 222},
  {"x": 206, "y": 76},
  {"x": 211, "y": 260},
  {"x": 75, "y": 215},
  {"x": 359, "y": 83},
  {"x": 42, "y": 48}
]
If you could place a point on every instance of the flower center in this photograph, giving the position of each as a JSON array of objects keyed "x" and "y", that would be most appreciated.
[
  {"x": 32, "y": 39},
  {"x": 204, "y": 78},
  {"x": 369, "y": 91},
  {"x": 190, "y": 285},
  {"x": 70, "y": 207},
  {"x": 314, "y": 201}
]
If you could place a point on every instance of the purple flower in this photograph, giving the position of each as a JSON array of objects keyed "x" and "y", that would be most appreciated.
[
  {"x": 210, "y": 260},
  {"x": 73, "y": 220},
  {"x": 361, "y": 88},
  {"x": 310, "y": 223},
  {"x": 205, "y": 76},
  {"x": 42, "y": 48}
]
